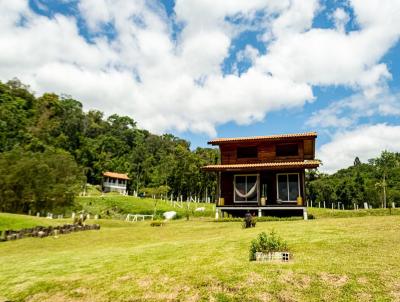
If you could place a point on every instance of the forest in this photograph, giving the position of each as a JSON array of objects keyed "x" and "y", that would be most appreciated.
[{"x": 50, "y": 148}]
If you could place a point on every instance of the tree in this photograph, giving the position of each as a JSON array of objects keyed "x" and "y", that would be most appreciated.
[
  {"x": 384, "y": 164},
  {"x": 38, "y": 181}
]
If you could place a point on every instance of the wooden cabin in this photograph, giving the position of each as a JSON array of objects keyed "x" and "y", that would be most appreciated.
[
  {"x": 264, "y": 175},
  {"x": 115, "y": 182}
]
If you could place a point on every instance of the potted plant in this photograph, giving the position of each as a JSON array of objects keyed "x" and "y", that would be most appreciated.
[
  {"x": 269, "y": 247},
  {"x": 263, "y": 199}
]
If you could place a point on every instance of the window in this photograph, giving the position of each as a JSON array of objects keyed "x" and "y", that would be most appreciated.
[
  {"x": 287, "y": 150},
  {"x": 245, "y": 188},
  {"x": 288, "y": 186},
  {"x": 247, "y": 152}
]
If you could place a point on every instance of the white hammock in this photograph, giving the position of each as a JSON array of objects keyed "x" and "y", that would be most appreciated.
[{"x": 248, "y": 194}]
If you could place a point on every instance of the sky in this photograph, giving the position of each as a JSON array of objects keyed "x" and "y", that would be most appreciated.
[{"x": 202, "y": 69}]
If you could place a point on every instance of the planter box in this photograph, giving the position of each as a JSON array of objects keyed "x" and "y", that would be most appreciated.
[{"x": 273, "y": 257}]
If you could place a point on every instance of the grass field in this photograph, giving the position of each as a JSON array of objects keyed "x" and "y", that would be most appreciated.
[{"x": 348, "y": 259}]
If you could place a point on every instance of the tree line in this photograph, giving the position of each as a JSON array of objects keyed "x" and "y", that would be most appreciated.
[
  {"x": 50, "y": 147},
  {"x": 376, "y": 182}
]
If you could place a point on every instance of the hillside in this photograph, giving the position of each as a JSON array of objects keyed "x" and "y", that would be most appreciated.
[{"x": 114, "y": 206}]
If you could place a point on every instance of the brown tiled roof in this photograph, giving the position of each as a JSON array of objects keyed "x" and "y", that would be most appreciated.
[
  {"x": 308, "y": 164},
  {"x": 116, "y": 175},
  {"x": 218, "y": 141}
]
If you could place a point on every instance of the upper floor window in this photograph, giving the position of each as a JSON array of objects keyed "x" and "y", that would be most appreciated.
[
  {"x": 247, "y": 152},
  {"x": 287, "y": 150}
]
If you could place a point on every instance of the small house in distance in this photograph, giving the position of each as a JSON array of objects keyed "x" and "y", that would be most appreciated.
[
  {"x": 264, "y": 175},
  {"x": 115, "y": 182}
]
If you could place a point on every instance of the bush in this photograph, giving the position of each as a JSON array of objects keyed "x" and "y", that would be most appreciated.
[
  {"x": 273, "y": 218},
  {"x": 267, "y": 244},
  {"x": 231, "y": 219},
  {"x": 157, "y": 223}
]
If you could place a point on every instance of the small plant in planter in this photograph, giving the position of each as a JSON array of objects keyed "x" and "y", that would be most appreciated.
[{"x": 269, "y": 247}]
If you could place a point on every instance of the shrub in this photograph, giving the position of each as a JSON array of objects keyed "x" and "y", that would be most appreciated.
[
  {"x": 273, "y": 218},
  {"x": 231, "y": 219},
  {"x": 267, "y": 244},
  {"x": 157, "y": 223}
]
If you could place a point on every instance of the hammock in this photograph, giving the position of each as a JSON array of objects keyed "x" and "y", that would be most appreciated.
[{"x": 248, "y": 194}]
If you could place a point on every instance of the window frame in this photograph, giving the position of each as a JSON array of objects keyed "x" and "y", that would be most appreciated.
[
  {"x": 246, "y": 157},
  {"x": 287, "y": 186},
  {"x": 258, "y": 188},
  {"x": 286, "y": 156}
]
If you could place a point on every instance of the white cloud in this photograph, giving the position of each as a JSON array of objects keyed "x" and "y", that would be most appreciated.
[
  {"x": 177, "y": 84},
  {"x": 340, "y": 18},
  {"x": 347, "y": 112},
  {"x": 366, "y": 142}
]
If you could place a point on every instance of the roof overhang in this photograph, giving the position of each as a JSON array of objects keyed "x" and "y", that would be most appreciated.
[
  {"x": 116, "y": 175},
  {"x": 254, "y": 139},
  {"x": 309, "y": 164}
]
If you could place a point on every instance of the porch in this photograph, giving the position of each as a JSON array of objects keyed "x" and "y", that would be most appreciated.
[
  {"x": 256, "y": 210},
  {"x": 263, "y": 192}
]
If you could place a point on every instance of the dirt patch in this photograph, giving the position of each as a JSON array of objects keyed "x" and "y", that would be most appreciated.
[
  {"x": 395, "y": 292},
  {"x": 362, "y": 280},
  {"x": 254, "y": 278},
  {"x": 334, "y": 280},
  {"x": 365, "y": 297},
  {"x": 145, "y": 282},
  {"x": 264, "y": 297},
  {"x": 59, "y": 297},
  {"x": 297, "y": 280},
  {"x": 125, "y": 278},
  {"x": 171, "y": 296},
  {"x": 192, "y": 298},
  {"x": 285, "y": 296}
]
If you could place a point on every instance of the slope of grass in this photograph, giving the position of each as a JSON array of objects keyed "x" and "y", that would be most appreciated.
[
  {"x": 349, "y": 259},
  {"x": 329, "y": 213},
  {"x": 119, "y": 206},
  {"x": 16, "y": 222}
]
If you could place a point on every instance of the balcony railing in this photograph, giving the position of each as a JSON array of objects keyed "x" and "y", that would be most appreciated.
[{"x": 114, "y": 185}]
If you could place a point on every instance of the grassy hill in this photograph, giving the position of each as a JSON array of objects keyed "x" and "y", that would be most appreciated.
[
  {"x": 349, "y": 259},
  {"x": 117, "y": 206}
]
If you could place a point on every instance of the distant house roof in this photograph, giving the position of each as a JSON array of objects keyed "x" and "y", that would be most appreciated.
[
  {"x": 219, "y": 141},
  {"x": 308, "y": 164},
  {"x": 116, "y": 175}
]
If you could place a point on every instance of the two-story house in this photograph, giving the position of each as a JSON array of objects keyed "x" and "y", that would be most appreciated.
[{"x": 264, "y": 175}]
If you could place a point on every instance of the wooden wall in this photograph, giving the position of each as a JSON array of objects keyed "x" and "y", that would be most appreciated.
[{"x": 267, "y": 152}]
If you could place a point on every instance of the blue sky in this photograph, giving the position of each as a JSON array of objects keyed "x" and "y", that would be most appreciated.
[{"x": 200, "y": 69}]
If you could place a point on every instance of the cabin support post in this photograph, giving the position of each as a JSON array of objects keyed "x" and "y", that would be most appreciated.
[
  {"x": 305, "y": 215},
  {"x": 259, "y": 213}
]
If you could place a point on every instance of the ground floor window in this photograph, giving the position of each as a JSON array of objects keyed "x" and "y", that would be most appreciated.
[
  {"x": 288, "y": 186},
  {"x": 245, "y": 188}
]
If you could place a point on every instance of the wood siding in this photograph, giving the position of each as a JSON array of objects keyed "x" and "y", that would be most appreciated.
[{"x": 267, "y": 152}]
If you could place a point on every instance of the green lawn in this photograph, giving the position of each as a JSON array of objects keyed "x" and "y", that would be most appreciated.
[{"x": 348, "y": 259}]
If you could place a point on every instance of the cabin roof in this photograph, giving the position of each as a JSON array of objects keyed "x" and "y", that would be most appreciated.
[
  {"x": 307, "y": 164},
  {"x": 116, "y": 175},
  {"x": 219, "y": 141}
]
